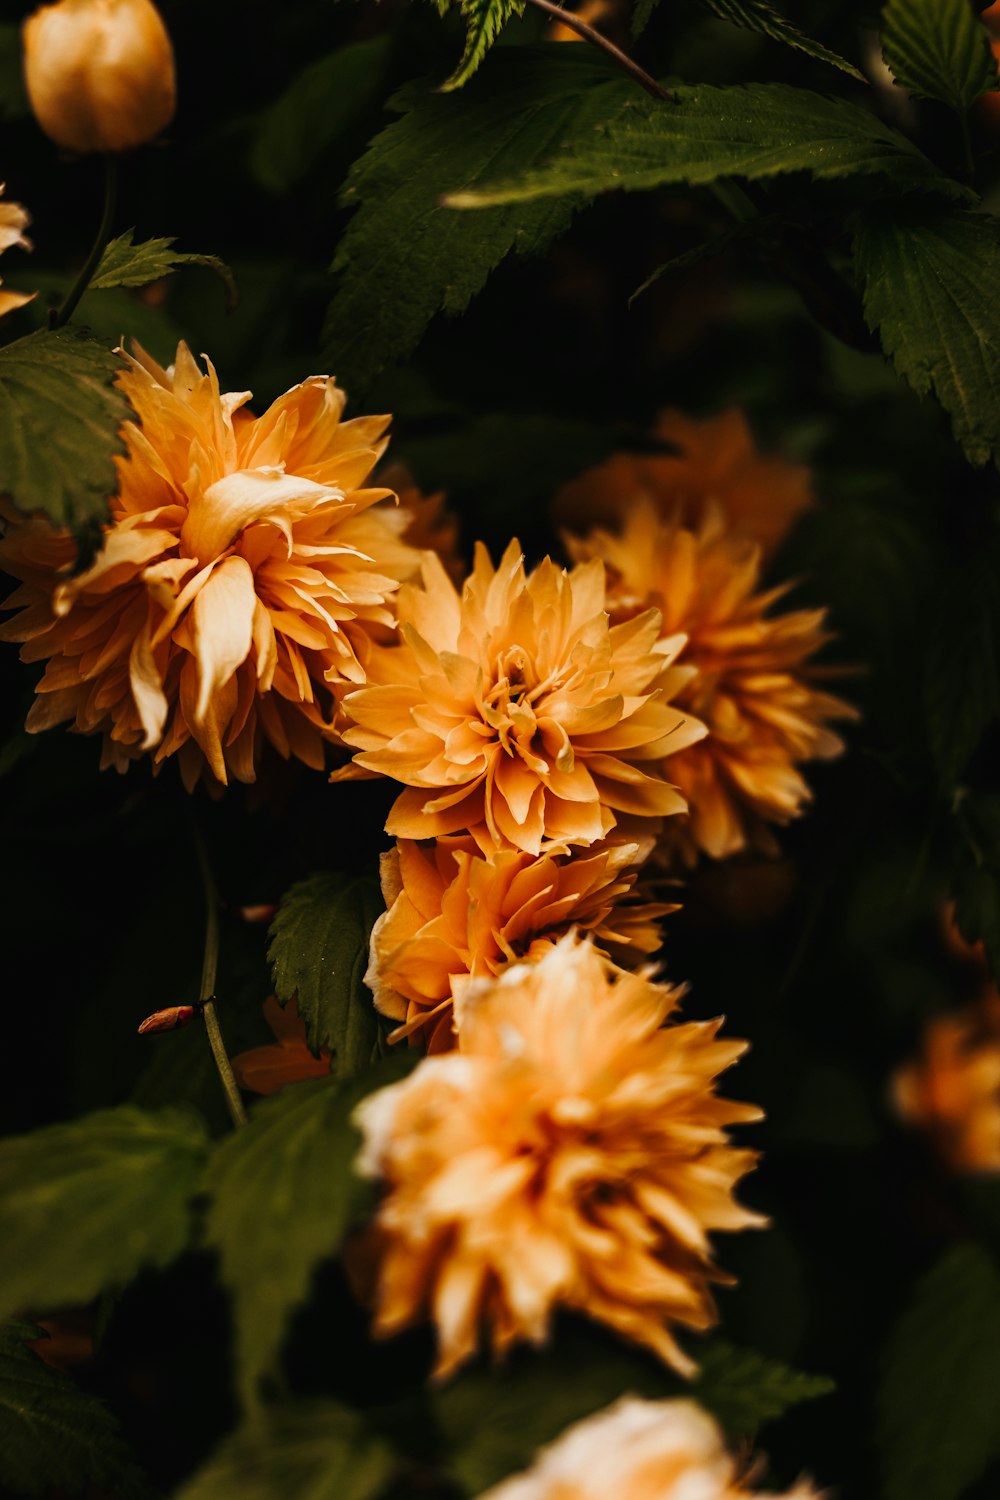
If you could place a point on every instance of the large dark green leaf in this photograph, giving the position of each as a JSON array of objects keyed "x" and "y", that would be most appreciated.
[
  {"x": 60, "y": 415},
  {"x": 938, "y": 1403},
  {"x": 314, "y": 1450},
  {"x": 54, "y": 1435},
  {"x": 84, "y": 1206},
  {"x": 405, "y": 258},
  {"x": 284, "y": 1195},
  {"x": 319, "y": 950},
  {"x": 928, "y": 284},
  {"x": 939, "y": 50},
  {"x": 702, "y": 133}
]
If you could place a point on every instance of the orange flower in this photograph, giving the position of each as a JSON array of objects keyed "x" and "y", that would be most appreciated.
[
  {"x": 100, "y": 73},
  {"x": 265, "y": 1070},
  {"x": 14, "y": 220},
  {"x": 573, "y": 1152},
  {"x": 753, "y": 688},
  {"x": 639, "y": 1450},
  {"x": 717, "y": 465},
  {"x": 453, "y": 912},
  {"x": 951, "y": 1090},
  {"x": 516, "y": 712},
  {"x": 238, "y": 585}
]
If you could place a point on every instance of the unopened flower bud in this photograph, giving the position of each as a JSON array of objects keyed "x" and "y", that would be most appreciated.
[
  {"x": 100, "y": 73},
  {"x": 170, "y": 1019}
]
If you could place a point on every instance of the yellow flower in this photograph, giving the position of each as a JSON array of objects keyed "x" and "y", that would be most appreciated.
[
  {"x": 452, "y": 912},
  {"x": 514, "y": 711},
  {"x": 238, "y": 585},
  {"x": 716, "y": 465},
  {"x": 100, "y": 73},
  {"x": 754, "y": 686},
  {"x": 14, "y": 220},
  {"x": 639, "y": 1450},
  {"x": 951, "y": 1090},
  {"x": 572, "y": 1153}
]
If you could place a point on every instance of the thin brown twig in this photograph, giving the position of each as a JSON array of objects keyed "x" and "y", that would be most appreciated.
[{"x": 589, "y": 34}]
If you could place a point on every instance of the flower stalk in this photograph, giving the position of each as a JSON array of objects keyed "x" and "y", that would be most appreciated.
[
  {"x": 61, "y": 315},
  {"x": 206, "y": 993}
]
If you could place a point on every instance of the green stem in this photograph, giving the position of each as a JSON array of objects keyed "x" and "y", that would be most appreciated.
[
  {"x": 206, "y": 995},
  {"x": 65, "y": 312}
]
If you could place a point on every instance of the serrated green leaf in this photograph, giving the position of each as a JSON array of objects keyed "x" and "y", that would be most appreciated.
[
  {"x": 938, "y": 1411},
  {"x": 701, "y": 133},
  {"x": 939, "y": 50},
  {"x": 405, "y": 258},
  {"x": 284, "y": 1195},
  {"x": 295, "y": 132},
  {"x": 493, "y": 1419},
  {"x": 744, "y": 1389},
  {"x": 484, "y": 20},
  {"x": 60, "y": 420},
  {"x": 86, "y": 1205},
  {"x": 314, "y": 1450},
  {"x": 53, "y": 1435},
  {"x": 962, "y": 675},
  {"x": 927, "y": 290},
  {"x": 764, "y": 18},
  {"x": 319, "y": 952},
  {"x": 127, "y": 264}
]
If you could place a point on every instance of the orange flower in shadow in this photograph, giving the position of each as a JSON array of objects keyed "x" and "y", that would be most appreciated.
[
  {"x": 716, "y": 465},
  {"x": 453, "y": 912},
  {"x": 514, "y": 711},
  {"x": 265, "y": 1070},
  {"x": 572, "y": 1153},
  {"x": 754, "y": 686},
  {"x": 239, "y": 584},
  {"x": 951, "y": 1089}
]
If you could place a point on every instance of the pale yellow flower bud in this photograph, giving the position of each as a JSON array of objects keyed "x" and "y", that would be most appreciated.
[{"x": 100, "y": 73}]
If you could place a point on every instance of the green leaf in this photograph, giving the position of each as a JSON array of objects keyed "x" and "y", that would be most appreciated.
[
  {"x": 319, "y": 950},
  {"x": 744, "y": 1389},
  {"x": 86, "y": 1205},
  {"x": 493, "y": 1419},
  {"x": 314, "y": 1450},
  {"x": 755, "y": 130},
  {"x": 484, "y": 20},
  {"x": 304, "y": 123},
  {"x": 60, "y": 416},
  {"x": 403, "y": 257},
  {"x": 53, "y": 1435},
  {"x": 284, "y": 1195},
  {"x": 962, "y": 677},
  {"x": 938, "y": 1414},
  {"x": 126, "y": 264},
  {"x": 939, "y": 50},
  {"x": 761, "y": 16},
  {"x": 928, "y": 291}
]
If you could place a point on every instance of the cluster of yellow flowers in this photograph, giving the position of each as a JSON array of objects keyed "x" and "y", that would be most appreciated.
[{"x": 553, "y": 732}]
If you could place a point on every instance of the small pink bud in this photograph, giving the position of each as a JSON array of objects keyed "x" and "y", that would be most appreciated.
[{"x": 169, "y": 1019}]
